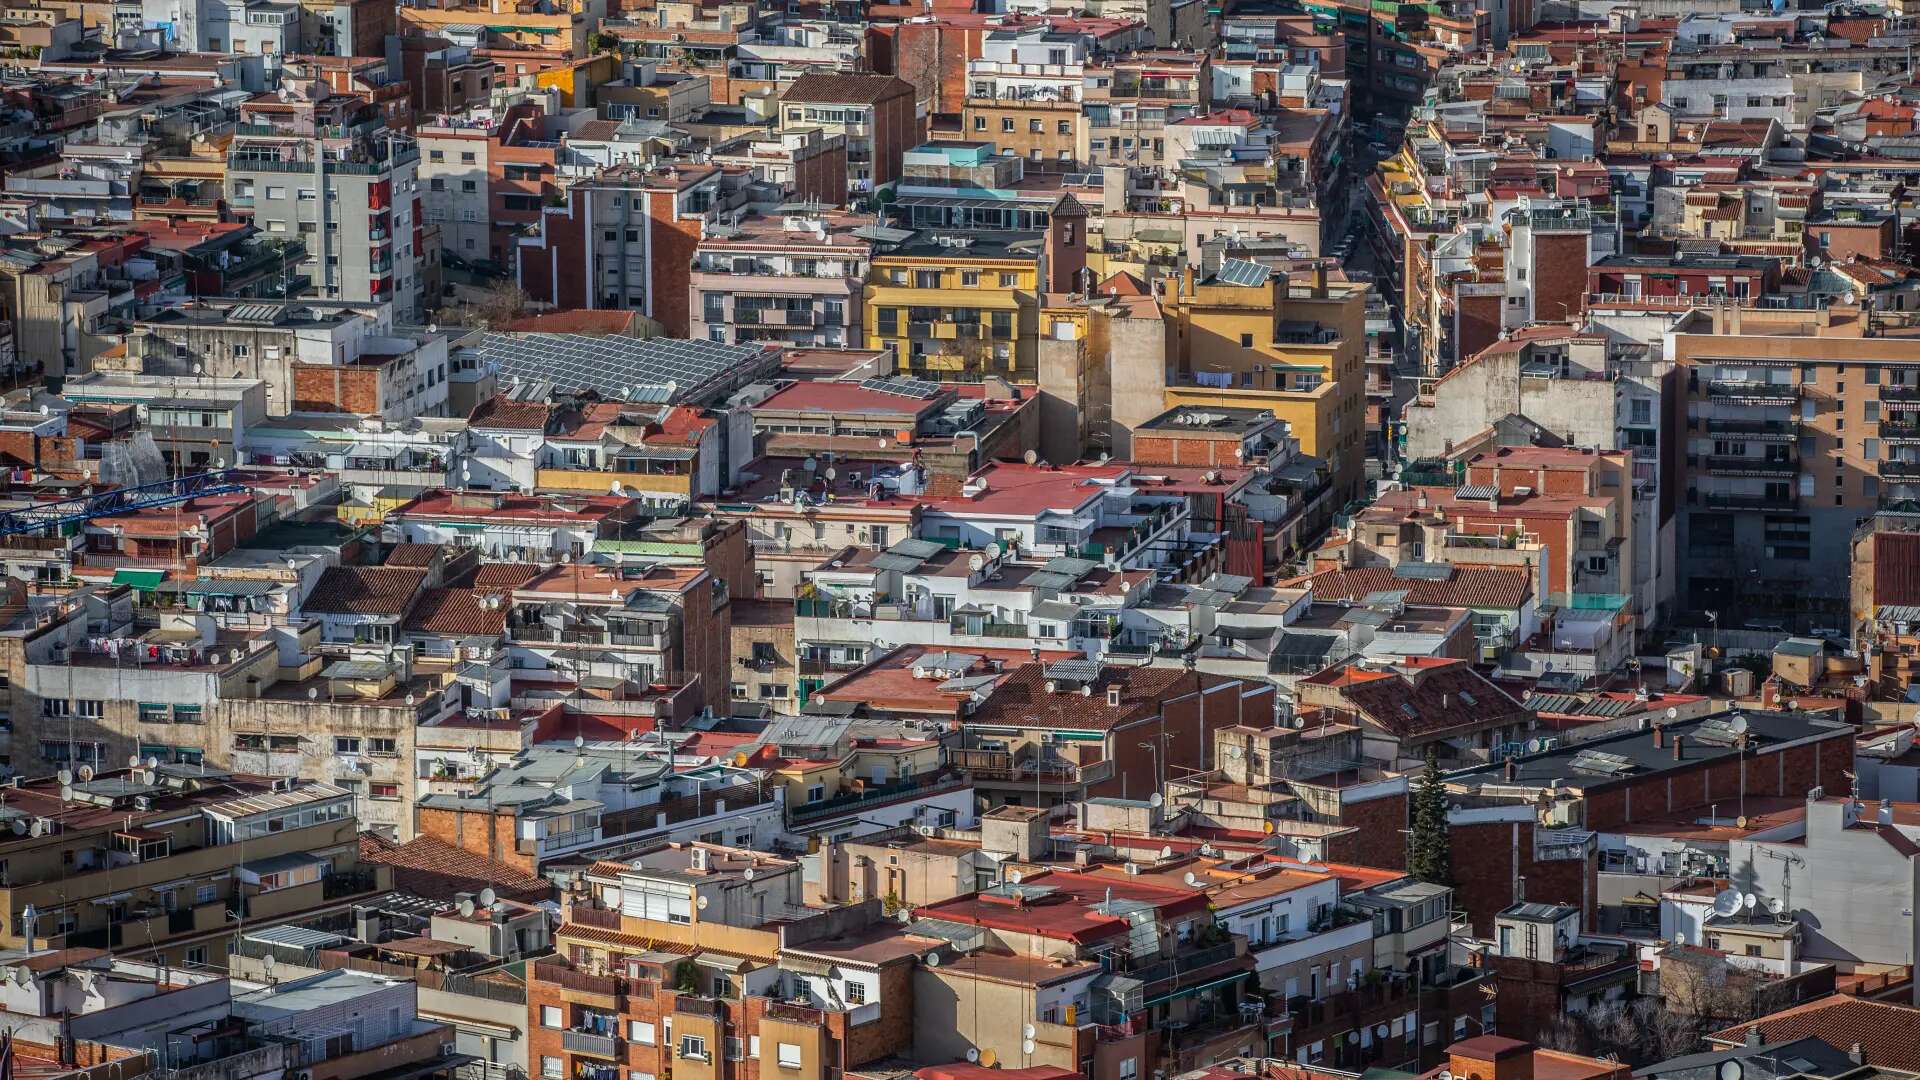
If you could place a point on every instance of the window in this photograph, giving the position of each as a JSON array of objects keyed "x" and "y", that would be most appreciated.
[
  {"x": 436, "y": 155},
  {"x": 1006, "y": 123},
  {"x": 469, "y": 186},
  {"x": 926, "y": 279},
  {"x": 789, "y": 1055},
  {"x": 970, "y": 278},
  {"x": 1129, "y": 1068},
  {"x": 387, "y": 792},
  {"x": 1066, "y": 127},
  {"x": 1008, "y": 281},
  {"x": 550, "y": 1068},
  {"x": 466, "y": 157},
  {"x": 856, "y": 993},
  {"x": 343, "y": 744},
  {"x": 197, "y": 955},
  {"x": 382, "y": 747},
  {"x": 1246, "y": 341},
  {"x": 89, "y": 707},
  {"x": 694, "y": 1047},
  {"x": 552, "y": 1016},
  {"x": 640, "y": 1031},
  {"x": 816, "y": 793},
  {"x": 735, "y": 1048},
  {"x": 1035, "y": 127},
  {"x": 1753, "y": 950},
  {"x": 206, "y": 894},
  {"x": 979, "y": 123}
]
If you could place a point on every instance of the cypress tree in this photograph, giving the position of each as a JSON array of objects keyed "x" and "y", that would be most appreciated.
[{"x": 1431, "y": 857}]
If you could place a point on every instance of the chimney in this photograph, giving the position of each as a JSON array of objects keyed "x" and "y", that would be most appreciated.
[
  {"x": 1679, "y": 744},
  {"x": 1659, "y": 736},
  {"x": 1754, "y": 1036},
  {"x": 1886, "y": 811},
  {"x": 1113, "y": 697},
  {"x": 1512, "y": 770},
  {"x": 1856, "y": 1055}
]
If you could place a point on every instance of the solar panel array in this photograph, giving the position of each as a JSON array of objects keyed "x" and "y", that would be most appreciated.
[
  {"x": 1599, "y": 761},
  {"x": 619, "y": 367},
  {"x": 1423, "y": 571},
  {"x": 1243, "y": 272},
  {"x": 902, "y": 386}
]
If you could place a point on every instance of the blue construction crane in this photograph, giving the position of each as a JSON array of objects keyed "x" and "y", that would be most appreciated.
[{"x": 180, "y": 489}]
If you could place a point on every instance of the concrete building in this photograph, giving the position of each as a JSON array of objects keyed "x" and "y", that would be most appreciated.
[
  {"x": 796, "y": 279},
  {"x": 876, "y": 114},
  {"x": 311, "y": 356},
  {"x": 353, "y": 203}
]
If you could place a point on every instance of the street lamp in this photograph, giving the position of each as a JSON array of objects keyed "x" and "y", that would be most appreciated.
[{"x": 1159, "y": 777}]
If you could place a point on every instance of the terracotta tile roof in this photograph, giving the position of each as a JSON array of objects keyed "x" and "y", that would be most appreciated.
[
  {"x": 1888, "y": 1034},
  {"x": 1465, "y": 586},
  {"x": 625, "y": 942},
  {"x": 1418, "y": 697},
  {"x": 431, "y": 867},
  {"x": 456, "y": 612},
  {"x": 364, "y": 590},
  {"x": 1022, "y": 699},
  {"x": 502, "y": 575},
  {"x": 499, "y": 412},
  {"x": 581, "y": 321},
  {"x": 419, "y": 555},
  {"x": 1896, "y": 568},
  {"x": 846, "y": 89}
]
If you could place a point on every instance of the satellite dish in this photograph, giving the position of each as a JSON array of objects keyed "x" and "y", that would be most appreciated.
[
  {"x": 19, "y": 826},
  {"x": 1027, "y": 1033},
  {"x": 976, "y": 564},
  {"x": 831, "y": 474},
  {"x": 1726, "y": 902},
  {"x": 267, "y": 962},
  {"x": 1015, "y": 877},
  {"x": 488, "y": 897},
  {"x": 1777, "y": 906},
  {"x": 1166, "y": 853},
  {"x": 466, "y": 909},
  {"x": 579, "y": 741},
  {"x": 1026, "y": 1045},
  {"x": 933, "y": 959},
  {"x": 39, "y": 828},
  {"x": 1747, "y": 900},
  {"x": 1029, "y": 457},
  {"x": 148, "y": 776},
  {"x": 1738, "y": 725},
  {"x": 973, "y": 1056},
  {"x": 65, "y": 776},
  {"x": 153, "y": 763},
  {"x": 1673, "y": 713},
  {"x": 988, "y": 1057},
  {"x": 1680, "y": 937},
  {"x": 1741, "y": 823},
  {"x": 994, "y": 550},
  {"x": 1269, "y": 827},
  {"x": 1193, "y": 879},
  {"x": 701, "y": 903},
  {"x": 747, "y": 873},
  {"x": 740, "y": 759},
  {"x": 1155, "y": 799},
  {"x": 811, "y": 463},
  {"x": 86, "y": 773},
  {"x": 133, "y": 761}
]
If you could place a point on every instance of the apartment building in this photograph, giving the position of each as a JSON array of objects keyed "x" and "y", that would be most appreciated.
[
  {"x": 1798, "y": 425},
  {"x": 1023, "y": 96},
  {"x": 483, "y": 184},
  {"x": 352, "y": 202},
  {"x": 795, "y": 279},
  {"x": 150, "y": 862},
  {"x": 1129, "y": 100},
  {"x": 875, "y": 114},
  {"x": 1250, "y": 337}
]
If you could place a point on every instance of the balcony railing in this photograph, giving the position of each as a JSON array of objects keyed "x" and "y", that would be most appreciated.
[
  {"x": 1901, "y": 470},
  {"x": 1742, "y": 464},
  {"x": 1774, "y": 429},
  {"x": 1900, "y": 393},
  {"x": 1752, "y": 390},
  {"x": 929, "y": 785},
  {"x": 1006, "y": 767},
  {"x": 1729, "y": 501},
  {"x": 589, "y": 1042}
]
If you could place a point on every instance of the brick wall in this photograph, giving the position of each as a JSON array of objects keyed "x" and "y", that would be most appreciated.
[
  {"x": 490, "y": 835},
  {"x": 1490, "y": 858},
  {"x": 1479, "y": 325},
  {"x": 1150, "y": 448},
  {"x": 670, "y": 254},
  {"x": 707, "y": 644},
  {"x": 1379, "y": 841},
  {"x": 1559, "y": 275},
  {"x": 328, "y": 388}
]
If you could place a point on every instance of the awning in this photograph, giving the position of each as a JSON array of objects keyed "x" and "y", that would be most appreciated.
[
  {"x": 806, "y": 965},
  {"x": 1208, "y": 985},
  {"x": 139, "y": 579},
  {"x": 722, "y": 961}
]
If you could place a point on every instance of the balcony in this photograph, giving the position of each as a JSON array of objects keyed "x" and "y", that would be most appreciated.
[
  {"x": 592, "y": 1043},
  {"x": 799, "y": 317},
  {"x": 812, "y": 666},
  {"x": 1907, "y": 430},
  {"x": 1187, "y": 963},
  {"x": 1742, "y": 465},
  {"x": 1764, "y": 430},
  {"x": 1720, "y": 500},
  {"x": 1753, "y": 391},
  {"x": 872, "y": 793},
  {"x": 1025, "y": 771},
  {"x": 1900, "y": 470},
  {"x": 1904, "y": 394}
]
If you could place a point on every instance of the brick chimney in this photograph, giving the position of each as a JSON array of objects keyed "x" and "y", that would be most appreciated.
[
  {"x": 1679, "y": 745},
  {"x": 1659, "y": 736}
]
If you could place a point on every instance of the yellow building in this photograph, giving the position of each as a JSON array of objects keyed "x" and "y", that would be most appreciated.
[
  {"x": 958, "y": 306},
  {"x": 1294, "y": 348}
]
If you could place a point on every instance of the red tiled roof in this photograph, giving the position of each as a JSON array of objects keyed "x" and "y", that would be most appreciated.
[
  {"x": 431, "y": 867},
  {"x": 1466, "y": 586},
  {"x": 1896, "y": 568},
  {"x": 1888, "y": 1034},
  {"x": 499, "y": 412},
  {"x": 846, "y": 89},
  {"x": 1423, "y": 697},
  {"x": 364, "y": 590},
  {"x": 420, "y": 555},
  {"x": 456, "y": 612},
  {"x": 1022, "y": 699}
]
